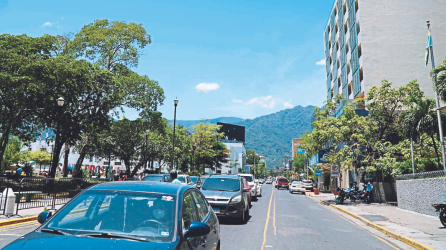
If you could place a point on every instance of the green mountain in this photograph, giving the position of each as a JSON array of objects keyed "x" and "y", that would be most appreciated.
[{"x": 270, "y": 135}]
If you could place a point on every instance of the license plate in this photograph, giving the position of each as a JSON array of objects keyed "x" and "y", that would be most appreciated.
[{"x": 216, "y": 210}]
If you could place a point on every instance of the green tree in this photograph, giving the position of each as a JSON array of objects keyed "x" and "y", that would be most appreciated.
[
  {"x": 40, "y": 158},
  {"x": 299, "y": 163},
  {"x": 252, "y": 156},
  {"x": 14, "y": 154},
  {"x": 204, "y": 135}
]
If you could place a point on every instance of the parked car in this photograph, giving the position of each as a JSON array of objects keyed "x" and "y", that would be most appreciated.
[
  {"x": 269, "y": 181},
  {"x": 196, "y": 180},
  {"x": 308, "y": 184},
  {"x": 297, "y": 186},
  {"x": 250, "y": 179},
  {"x": 227, "y": 196},
  {"x": 157, "y": 177},
  {"x": 185, "y": 180},
  {"x": 282, "y": 183},
  {"x": 245, "y": 185},
  {"x": 136, "y": 215},
  {"x": 259, "y": 188},
  {"x": 261, "y": 180}
]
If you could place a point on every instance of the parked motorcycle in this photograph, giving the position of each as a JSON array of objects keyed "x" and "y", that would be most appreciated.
[
  {"x": 441, "y": 210},
  {"x": 341, "y": 196},
  {"x": 355, "y": 194}
]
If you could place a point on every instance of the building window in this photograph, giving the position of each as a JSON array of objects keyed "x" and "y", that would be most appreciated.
[{"x": 117, "y": 163}]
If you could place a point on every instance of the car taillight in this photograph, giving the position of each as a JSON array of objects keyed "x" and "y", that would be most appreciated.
[{"x": 436, "y": 206}]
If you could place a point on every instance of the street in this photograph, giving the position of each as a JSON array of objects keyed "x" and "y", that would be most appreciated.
[{"x": 294, "y": 222}]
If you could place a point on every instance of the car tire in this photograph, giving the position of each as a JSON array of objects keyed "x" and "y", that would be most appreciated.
[
  {"x": 218, "y": 245},
  {"x": 260, "y": 194},
  {"x": 246, "y": 216},
  {"x": 254, "y": 198}
]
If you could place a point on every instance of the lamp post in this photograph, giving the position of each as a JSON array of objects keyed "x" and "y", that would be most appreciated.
[
  {"x": 175, "y": 103},
  {"x": 193, "y": 155},
  {"x": 60, "y": 103},
  {"x": 145, "y": 153},
  {"x": 216, "y": 151},
  {"x": 48, "y": 140}
]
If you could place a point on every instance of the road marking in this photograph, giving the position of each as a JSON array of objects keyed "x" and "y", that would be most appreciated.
[
  {"x": 385, "y": 241},
  {"x": 274, "y": 218},
  {"x": 10, "y": 235},
  {"x": 267, "y": 219},
  {"x": 14, "y": 228}
]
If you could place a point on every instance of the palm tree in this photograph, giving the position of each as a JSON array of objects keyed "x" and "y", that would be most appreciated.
[
  {"x": 439, "y": 75},
  {"x": 421, "y": 118}
]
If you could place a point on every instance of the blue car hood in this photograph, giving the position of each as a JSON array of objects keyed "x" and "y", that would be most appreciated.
[{"x": 45, "y": 241}]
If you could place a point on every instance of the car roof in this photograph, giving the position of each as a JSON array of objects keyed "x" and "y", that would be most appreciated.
[
  {"x": 142, "y": 186},
  {"x": 224, "y": 176}
]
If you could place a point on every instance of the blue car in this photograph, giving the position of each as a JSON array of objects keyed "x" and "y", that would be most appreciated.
[{"x": 128, "y": 215}]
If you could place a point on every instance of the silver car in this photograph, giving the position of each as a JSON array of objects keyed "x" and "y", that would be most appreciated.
[{"x": 228, "y": 196}]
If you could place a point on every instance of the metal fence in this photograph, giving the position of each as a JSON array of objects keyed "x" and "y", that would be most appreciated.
[
  {"x": 34, "y": 192},
  {"x": 423, "y": 175}
]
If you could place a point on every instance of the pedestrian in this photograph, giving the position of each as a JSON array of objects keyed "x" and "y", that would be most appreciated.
[
  {"x": 173, "y": 177},
  {"x": 369, "y": 189}
]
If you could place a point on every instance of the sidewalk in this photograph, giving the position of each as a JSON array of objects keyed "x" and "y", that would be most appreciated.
[
  {"x": 27, "y": 213},
  {"x": 423, "y": 228}
]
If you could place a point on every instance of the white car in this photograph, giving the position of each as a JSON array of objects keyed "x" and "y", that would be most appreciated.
[
  {"x": 250, "y": 179},
  {"x": 269, "y": 181},
  {"x": 297, "y": 186},
  {"x": 259, "y": 188},
  {"x": 308, "y": 184}
]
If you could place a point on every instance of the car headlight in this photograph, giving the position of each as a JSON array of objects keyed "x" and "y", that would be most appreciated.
[{"x": 236, "y": 199}]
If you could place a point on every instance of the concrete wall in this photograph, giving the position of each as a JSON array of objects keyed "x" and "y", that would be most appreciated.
[
  {"x": 393, "y": 36},
  {"x": 419, "y": 195}
]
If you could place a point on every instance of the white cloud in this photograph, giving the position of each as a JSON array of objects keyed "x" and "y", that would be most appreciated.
[
  {"x": 321, "y": 62},
  {"x": 206, "y": 87},
  {"x": 288, "y": 105},
  {"x": 47, "y": 24},
  {"x": 237, "y": 101},
  {"x": 264, "y": 101}
]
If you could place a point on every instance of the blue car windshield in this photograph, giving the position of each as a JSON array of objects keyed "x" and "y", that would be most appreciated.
[
  {"x": 157, "y": 178},
  {"x": 221, "y": 184},
  {"x": 144, "y": 215}
]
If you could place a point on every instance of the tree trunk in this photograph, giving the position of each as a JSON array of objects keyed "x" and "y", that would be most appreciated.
[
  {"x": 436, "y": 150},
  {"x": 77, "y": 167},
  {"x": 65, "y": 160},
  {"x": 56, "y": 157},
  {"x": 3, "y": 143}
]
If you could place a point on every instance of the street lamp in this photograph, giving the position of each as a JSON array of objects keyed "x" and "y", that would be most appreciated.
[
  {"x": 60, "y": 103},
  {"x": 175, "y": 103},
  {"x": 193, "y": 155},
  {"x": 216, "y": 151},
  {"x": 145, "y": 153}
]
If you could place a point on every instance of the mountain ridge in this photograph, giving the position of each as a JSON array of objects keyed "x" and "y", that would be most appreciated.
[{"x": 269, "y": 135}]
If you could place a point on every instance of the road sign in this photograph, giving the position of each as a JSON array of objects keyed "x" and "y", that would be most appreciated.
[
  {"x": 318, "y": 173},
  {"x": 334, "y": 171}
]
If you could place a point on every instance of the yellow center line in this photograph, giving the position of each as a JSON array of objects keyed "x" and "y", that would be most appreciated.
[
  {"x": 274, "y": 218},
  {"x": 267, "y": 219}
]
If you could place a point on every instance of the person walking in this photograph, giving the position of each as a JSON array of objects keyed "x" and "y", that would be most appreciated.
[
  {"x": 173, "y": 177},
  {"x": 369, "y": 189}
]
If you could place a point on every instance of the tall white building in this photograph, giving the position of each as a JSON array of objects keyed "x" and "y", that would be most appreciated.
[
  {"x": 237, "y": 156},
  {"x": 370, "y": 40}
]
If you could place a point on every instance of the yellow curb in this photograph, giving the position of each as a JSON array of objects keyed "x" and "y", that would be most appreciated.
[
  {"x": 409, "y": 241},
  {"x": 12, "y": 222}
]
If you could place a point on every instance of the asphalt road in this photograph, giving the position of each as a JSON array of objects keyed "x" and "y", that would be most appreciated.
[{"x": 294, "y": 222}]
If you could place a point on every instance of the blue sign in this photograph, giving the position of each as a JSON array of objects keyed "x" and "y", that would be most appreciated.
[
  {"x": 318, "y": 173},
  {"x": 300, "y": 150}
]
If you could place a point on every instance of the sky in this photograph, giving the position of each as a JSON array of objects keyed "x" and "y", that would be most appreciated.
[{"x": 231, "y": 58}]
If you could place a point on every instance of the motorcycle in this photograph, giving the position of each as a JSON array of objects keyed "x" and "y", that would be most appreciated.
[
  {"x": 355, "y": 194},
  {"x": 341, "y": 196},
  {"x": 441, "y": 210}
]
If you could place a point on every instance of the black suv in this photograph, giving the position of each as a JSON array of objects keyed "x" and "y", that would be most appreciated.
[{"x": 227, "y": 195}]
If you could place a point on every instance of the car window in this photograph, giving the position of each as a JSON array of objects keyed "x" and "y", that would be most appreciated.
[
  {"x": 189, "y": 212},
  {"x": 222, "y": 184},
  {"x": 307, "y": 182},
  {"x": 156, "y": 178},
  {"x": 181, "y": 179},
  {"x": 201, "y": 205},
  {"x": 248, "y": 178},
  {"x": 296, "y": 182},
  {"x": 96, "y": 212},
  {"x": 194, "y": 179}
]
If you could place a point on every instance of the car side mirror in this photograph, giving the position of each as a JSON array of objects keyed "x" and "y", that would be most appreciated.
[
  {"x": 245, "y": 189},
  {"x": 197, "y": 229},
  {"x": 44, "y": 216}
]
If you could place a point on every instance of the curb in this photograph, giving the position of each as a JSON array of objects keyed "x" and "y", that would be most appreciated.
[
  {"x": 13, "y": 222},
  {"x": 409, "y": 241}
]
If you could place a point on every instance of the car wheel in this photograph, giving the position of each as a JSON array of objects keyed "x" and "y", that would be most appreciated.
[
  {"x": 254, "y": 198},
  {"x": 218, "y": 245},
  {"x": 246, "y": 215},
  {"x": 260, "y": 194},
  {"x": 241, "y": 220}
]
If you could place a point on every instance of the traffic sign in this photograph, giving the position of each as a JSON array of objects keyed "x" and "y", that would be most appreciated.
[
  {"x": 318, "y": 173},
  {"x": 334, "y": 171}
]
